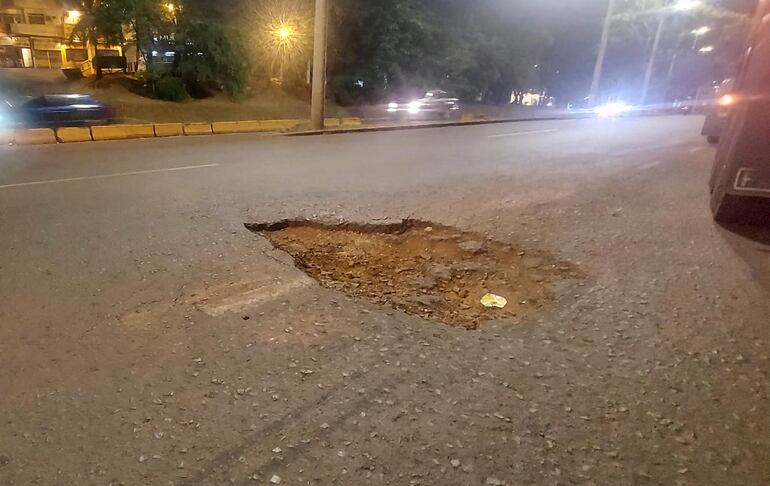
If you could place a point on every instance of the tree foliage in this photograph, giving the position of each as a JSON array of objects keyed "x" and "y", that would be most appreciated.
[
  {"x": 209, "y": 55},
  {"x": 483, "y": 53},
  {"x": 483, "y": 50},
  {"x": 117, "y": 21}
]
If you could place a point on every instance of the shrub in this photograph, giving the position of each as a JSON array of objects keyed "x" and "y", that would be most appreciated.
[{"x": 171, "y": 88}]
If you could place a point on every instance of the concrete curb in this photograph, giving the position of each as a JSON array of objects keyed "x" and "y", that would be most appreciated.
[
  {"x": 122, "y": 132},
  {"x": 197, "y": 129},
  {"x": 35, "y": 136},
  {"x": 73, "y": 134},
  {"x": 392, "y": 128},
  {"x": 169, "y": 129}
]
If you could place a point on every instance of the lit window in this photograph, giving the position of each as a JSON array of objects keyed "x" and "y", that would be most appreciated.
[{"x": 37, "y": 19}]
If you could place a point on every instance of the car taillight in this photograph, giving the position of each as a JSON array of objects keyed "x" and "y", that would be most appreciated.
[{"x": 727, "y": 100}]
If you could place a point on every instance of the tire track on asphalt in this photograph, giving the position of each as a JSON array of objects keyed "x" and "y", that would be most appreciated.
[{"x": 302, "y": 417}]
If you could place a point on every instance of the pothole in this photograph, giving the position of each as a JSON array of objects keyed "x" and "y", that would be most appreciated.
[{"x": 425, "y": 269}]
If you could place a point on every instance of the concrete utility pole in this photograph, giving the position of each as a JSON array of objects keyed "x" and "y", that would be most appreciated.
[
  {"x": 602, "y": 53},
  {"x": 318, "y": 101}
]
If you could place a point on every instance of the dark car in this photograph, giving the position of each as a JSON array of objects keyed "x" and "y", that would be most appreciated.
[
  {"x": 63, "y": 110},
  {"x": 717, "y": 112},
  {"x": 740, "y": 179},
  {"x": 435, "y": 104}
]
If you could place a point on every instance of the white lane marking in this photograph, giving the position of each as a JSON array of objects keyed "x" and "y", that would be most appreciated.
[
  {"x": 530, "y": 132},
  {"x": 650, "y": 165},
  {"x": 695, "y": 150},
  {"x": 255, "y": 297},
  {"x": 106, "y": 176}
]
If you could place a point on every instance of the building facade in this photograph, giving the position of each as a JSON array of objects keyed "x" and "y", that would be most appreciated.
[{"x": 38, "y": 34}]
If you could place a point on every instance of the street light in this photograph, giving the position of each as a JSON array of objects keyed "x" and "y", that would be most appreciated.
[
  {"x": 285, "y": 38},
  {"x": 680, "y": 6},
  {"x": 284, "y": 33},
  {"x": 683, "y": 5},
  {"x": 172, "y": 10},
  {"x": 706, "y": 49},
  {"x": 597, "y": 77},
  {"x": 697, "y": 33},
  {"x": 700, "y": 31}
]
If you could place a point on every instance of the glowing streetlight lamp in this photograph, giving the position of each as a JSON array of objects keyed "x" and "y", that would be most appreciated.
[
  {"x": 172, "y": 10},
  {"x": 284, "y": 33},
  {"x": 683, "y": 5},
  {"x": 706, "y": 49},
  {"x": 679, "y": 6},
  {"x": 286, "y": 37},
  {"x": 701, "y": 30}
]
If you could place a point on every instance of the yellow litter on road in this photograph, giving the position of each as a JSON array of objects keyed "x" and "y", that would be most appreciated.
[{"x": 492, "y": 300}]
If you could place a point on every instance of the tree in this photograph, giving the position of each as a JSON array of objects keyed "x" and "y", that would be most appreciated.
[
  {"x": 209, "y": 55},
  {"x": 98, "y": 22},
  {"x": 117, "y": 21},
  {"x": 483, "y": 50},
  {"x": 634, "y": 29}
]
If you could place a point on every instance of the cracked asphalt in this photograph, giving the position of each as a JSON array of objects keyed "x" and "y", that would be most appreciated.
[{"x": 147, "y": 337}]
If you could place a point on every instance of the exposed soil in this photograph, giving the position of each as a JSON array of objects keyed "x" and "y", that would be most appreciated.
[{"x": 433, "y": 271}]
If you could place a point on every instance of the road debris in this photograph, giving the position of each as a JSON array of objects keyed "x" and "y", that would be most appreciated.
[{"x": 492, "y": 300}]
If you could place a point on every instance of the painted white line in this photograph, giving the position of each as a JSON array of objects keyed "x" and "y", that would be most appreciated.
[
  {"x": 650, "y": 165},
  {"x": 255, "y": 297},
  {"x": 516, "y": 134},
  {"x": 107, "y": 176}
]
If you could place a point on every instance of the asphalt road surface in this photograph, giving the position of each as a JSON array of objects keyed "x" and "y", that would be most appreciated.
[{"x": 146, "y": 337}]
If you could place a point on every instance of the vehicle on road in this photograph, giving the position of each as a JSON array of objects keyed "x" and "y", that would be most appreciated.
[
  {"x": 718, "y": 110},
  {"x": 63, "y": 110},
  {"x": 740, "y": 179},
  {"x": 684, "y": 106},
  {"x": 434, "y": 104}
]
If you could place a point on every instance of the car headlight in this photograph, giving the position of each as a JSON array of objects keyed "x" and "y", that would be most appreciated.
[
  {"x": 392, "y": 106},
  {"x": 612, "y": 109},
  {"x": 414, "y": 107}
]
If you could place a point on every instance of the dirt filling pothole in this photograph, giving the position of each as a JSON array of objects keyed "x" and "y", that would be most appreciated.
[{"x": 425, "y": 269}]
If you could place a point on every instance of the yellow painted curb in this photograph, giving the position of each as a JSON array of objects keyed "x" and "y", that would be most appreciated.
[
  {"x": 249, "y": 126},
  {"x": 268, "y": 125},
  {"x": 351, "y": 122},
  {"x": 197, "y": 129},
  {"x": 331, "y": 122},
  {"x": 73, "y": 134},
  {"x": 34, "y": 136},
  {"x": 168, "y": 129},
  {"x": 468, "y": 118},
  {"x": 224, "y": 127},
  {"x": 122, "y": 132},
  {"x": 236, "y": 126}
]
